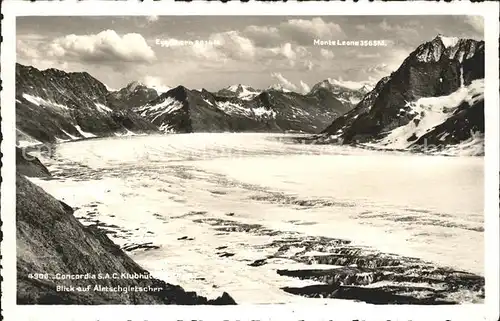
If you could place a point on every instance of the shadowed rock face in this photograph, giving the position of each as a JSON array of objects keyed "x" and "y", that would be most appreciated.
[
  {"x": 50, "y": 241},
  {"x": 53, "y": 104},
  {"x": 432, "y": 70},
  {"x": 29, "y": 165},
  {"x": 183, "y": 110}
]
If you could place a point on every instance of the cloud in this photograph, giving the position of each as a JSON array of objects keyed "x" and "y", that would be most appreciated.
[
  {"x": 368, "y": 55},
  {"x": 263, "y": 36},
  {"x": 349, "y": 84},
  {"x": 234, "y": 45},
  {"x": 380, "y": 68},
  {"x": 285, "y": 83},
  {"x": 25, "y": 50},
  {"x": 476, "y": 22},
  {"x": 308, "y": 64},
  {"x": 306, "y": 31},
  {"x": 361, "y": 28},
  {"x": 287, "y": 51},
  {"x": 396, "y": 57},
  {"x": 404, "y": 32},
  {"x": 155, "y": 83},
  {"x": 315, "y": 27},
  {"x": 106, "y": 46},
  {"x": 327, "y": 54},
  {"x": 292, "y": 54},
  {"x": 297, "y": 31},
  {"x": 385, "y": 26},
  {"x": 217, "y": 47},
  {"x": 305, "y": 87},
  {"x": 152, "y": 19}
]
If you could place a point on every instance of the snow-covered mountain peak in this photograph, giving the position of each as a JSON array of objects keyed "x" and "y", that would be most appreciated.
[
  {"x": 132, "y": 86},
  {"x": 340, "y": 86},
  {"x": 234, "y": 88},
  {"x": 160, "y": 89},
  {"x": 346, "y": 84},
  {"x": 139, "y": 85},
  {"x": 448, "y": 41},
  {"x": 241, "y": 91},
  {"x": 367, "y": 88},
  {"x": 279, "y": 87}
]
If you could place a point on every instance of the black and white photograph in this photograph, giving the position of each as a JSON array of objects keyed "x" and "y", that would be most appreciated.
[{"x": 227, "y": 160}]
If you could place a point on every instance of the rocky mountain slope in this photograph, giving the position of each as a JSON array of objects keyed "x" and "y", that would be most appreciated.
[
  {"x": 53, "y": 105},
  {"x": 242, "y": 109},
  {"x": 434, "y": 97},
  {"x": 54, "y": 245}
]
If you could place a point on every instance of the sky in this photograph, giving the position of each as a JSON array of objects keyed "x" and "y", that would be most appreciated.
[{"x": 214, "y": 52}]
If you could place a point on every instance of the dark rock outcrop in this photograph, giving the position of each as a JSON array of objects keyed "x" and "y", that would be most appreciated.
[
  {"x": 29, "y": 165},
  {"x": 52, "y": 105},
  {"x": 55, "y": 250},
  {"x": 436, "y": 68}
]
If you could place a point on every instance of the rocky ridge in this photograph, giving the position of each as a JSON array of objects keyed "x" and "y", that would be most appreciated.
[{"x": 183, "y": 110}]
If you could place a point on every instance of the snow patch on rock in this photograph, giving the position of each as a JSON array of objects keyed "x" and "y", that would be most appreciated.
[
  {"x": 168, "y": 106},
  {"x": 103, "y": 108},
  {"x": 83, "y": 133},
  {"x": 38, "y": 101},
  {"x": 449, "y": 42},
  {"x": 430, "y": 112}
]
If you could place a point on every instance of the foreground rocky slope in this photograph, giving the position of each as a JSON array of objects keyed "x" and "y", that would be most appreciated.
[
  {"x": 59, "y": 261},
  {"x": 243, "y": 109},
  {"x": 448, "y": 69},
  {"x": 53, "y": 105}
]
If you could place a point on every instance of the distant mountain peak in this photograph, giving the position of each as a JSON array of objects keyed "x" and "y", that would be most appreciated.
[
  {"x": 241, "y": 91},
  {"x": 132, "y": 86},
  {"x": 342, "y": 85},
  {"x": 234, "y": 87},
  {"x": 240, "y": 87},
  {"x": 279, "y": 87}
]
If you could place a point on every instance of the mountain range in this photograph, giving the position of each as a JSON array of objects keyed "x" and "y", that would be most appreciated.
[
  {"x": 55, "y": 106},
  {"x": 397, "y": 112}
]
